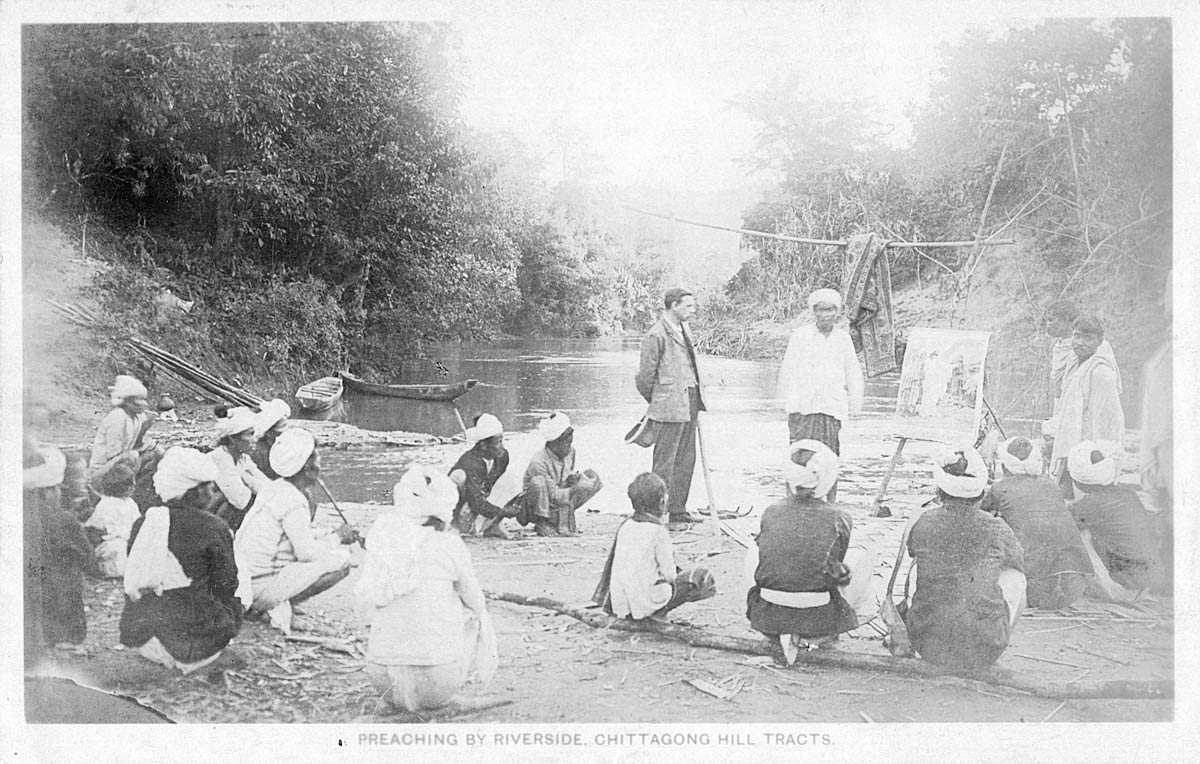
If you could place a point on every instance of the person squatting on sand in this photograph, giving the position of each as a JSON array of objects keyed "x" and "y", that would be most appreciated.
[
  {"x": 475, "y": 473},
  {"x": 430, "y": 632},
  {"x": 820, "y": 381},
  {"x": 805, "y": 586},
  {"x": 122, "y": 435},
  {"x": 238, "y": 478},
  {"x": 640, "y": 578},
  {"x": 970, "y": 588},
  {"x": 553, "y": 490},
  {"x": 111, "y": 522},
  {"x": 1056, "y": 563},
  {"x": 181, "y": 581},
  {"x": 285, "y": 558}
]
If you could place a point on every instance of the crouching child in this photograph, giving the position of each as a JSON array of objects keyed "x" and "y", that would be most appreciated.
[{"x": 640, "y": 579}]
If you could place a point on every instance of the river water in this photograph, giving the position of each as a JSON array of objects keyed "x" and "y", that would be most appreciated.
[{"x": 744, "y": 431}]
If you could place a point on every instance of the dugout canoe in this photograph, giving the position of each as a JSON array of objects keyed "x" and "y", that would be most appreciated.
[
  {"x": 411, "y": 392},
  {"x": 319, "y": 396}
]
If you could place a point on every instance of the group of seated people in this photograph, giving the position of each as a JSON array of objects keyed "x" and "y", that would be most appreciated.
[{"x": 232, "y": 533}]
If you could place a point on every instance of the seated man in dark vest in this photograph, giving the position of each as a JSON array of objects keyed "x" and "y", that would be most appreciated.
[{"x": 475, "y": 473}]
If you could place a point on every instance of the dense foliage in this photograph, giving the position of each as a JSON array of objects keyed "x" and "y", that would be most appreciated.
[{"x": 309, "y": 185}]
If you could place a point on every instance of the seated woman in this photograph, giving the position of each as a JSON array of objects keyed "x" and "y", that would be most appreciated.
[
  {"x": 113, "y": 519},
  {"x": 553, "y": 490},
  {"x": 1117, "y": 530},
  {"x": 287, "y": 559},
  {"x": 640, "y": 579},
  {"x": 970, "y": 587},
  {"x": 1056, "y": 564},
  {"x": 56, "y": 553},
  {"x": 181, "y": 581},
  {"x": 271, "y": 419},
  {"x": 802, "y": 585},
  {"x": 238, "y": 478},
  {"x": 430, "y": 629},
  {"x": 122, "y": 436}
]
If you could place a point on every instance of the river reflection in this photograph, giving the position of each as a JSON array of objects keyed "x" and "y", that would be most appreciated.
[{"x": 522, "y": 382}]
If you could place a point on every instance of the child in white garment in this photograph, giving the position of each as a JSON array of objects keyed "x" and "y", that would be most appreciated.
[{"x": 113, "y": 520}]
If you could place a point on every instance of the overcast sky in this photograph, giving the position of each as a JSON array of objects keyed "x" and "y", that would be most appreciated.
[{"x": 648, "y": 88}]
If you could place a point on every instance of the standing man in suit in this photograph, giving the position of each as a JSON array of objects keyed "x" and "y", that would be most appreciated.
[{"x": 670, "y": 382}]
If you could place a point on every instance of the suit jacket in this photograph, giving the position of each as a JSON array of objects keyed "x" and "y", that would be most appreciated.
[{"x": 665, "y": 373}]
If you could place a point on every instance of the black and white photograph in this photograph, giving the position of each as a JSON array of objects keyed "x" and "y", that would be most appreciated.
[{"x": 716, "y": 380}]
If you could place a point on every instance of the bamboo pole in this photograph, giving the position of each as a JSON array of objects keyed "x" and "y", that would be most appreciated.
[{"x": 1131, "y": 689}]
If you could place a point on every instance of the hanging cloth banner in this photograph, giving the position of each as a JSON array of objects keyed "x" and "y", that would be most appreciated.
[{"x": 867, "y": 285}]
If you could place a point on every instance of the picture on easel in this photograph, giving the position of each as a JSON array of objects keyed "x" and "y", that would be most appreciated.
[{"x": 941, "y": 384}]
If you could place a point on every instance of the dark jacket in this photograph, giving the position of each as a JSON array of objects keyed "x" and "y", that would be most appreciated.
[
  {"x": 479, "y": 483},
  {"x": 198, "y": 620},
  {"x": 1034, "y": 508},
  {"x": 958, "y": 617}
]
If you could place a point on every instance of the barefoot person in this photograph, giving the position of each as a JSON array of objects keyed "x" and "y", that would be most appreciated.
[
  {"x": 1056, "y": 564},
  {"x": 669, "y": 380},
  {"x": 820, "y": 381},
  {"x": 475, "y": 473},
  {"x": 181, "y": 581},
  {"x": 112, "y": 520},
  {"x": 640, "y": 579},
  {"x": 286, "y": 557},
  {"x": 970, "y": 588},
  {"x": 805, "y": 586},
  {"x": 238, "y": 478},
  {"x": 430, "y": 629},
  {"x": 553, "y": 489}
]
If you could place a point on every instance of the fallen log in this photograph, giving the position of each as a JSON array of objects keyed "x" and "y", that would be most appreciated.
[{"x": 1129, "y": 689}]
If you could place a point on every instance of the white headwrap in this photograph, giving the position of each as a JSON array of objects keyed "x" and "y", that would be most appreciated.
[
  {"x": 151, "y": 567},
  {"x": 236, "y": 420},
  {"x": 270, "y": 414},
  {"x": 1030, "y": 465},
  {"x": 819, "y": 474},
  {"x": 488, "y": 426},
  {"x": 291, "y": 451},
  {"x": 180, "y": 470},
  {"x": 967, "y": 486},
  {"x": 1103, "y": 472},
  {"x": 126, "y": 387},
  {"x": 47, "y": 474},
  {"x": 553, "y": 428},
  {"x": 396, "y": 537},
  {"x": 824, "y": 295}
]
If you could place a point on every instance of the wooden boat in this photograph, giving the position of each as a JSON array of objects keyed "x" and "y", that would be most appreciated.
[
  {"x": 320, "y": 395},
  {"x": 412, "y": 392}
]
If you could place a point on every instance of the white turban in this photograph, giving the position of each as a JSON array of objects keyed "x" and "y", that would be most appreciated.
[
  {"x": 291, "y": 450},
  {"x": 126, "y": 387},
  {"x": 1103, "y": 472},
  {"x": 423, "y": 492},
  {"x": 1030, "y": 465},
  {"x": 819, "y": 474},
  {"x": 969, "y": 485},
  {"x": 488, "y": 426},
  {"x": 824, "y": 295},
  {"x": 554, "y": 427},
  {"x": 180, "y": 470},
  {"x": 236, "y": 420},
  {"x": 270, "y": 414}
]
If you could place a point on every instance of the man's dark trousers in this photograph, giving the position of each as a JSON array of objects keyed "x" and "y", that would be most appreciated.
[{"x": 675, "y": 457}]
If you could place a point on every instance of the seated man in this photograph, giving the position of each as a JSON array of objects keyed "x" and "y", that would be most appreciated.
[
  {"x": 553, "y": 489},
  {"x": 239, "y": 479},
  {"x": 801, "y": 585},
  {"x": 475, "y": 473},
  {"x": 287, "y": 559},
  {"x": 1116, "y": 527},
  {"x": 1056, "y": 564},
  {"x": 121, "y": 437},
  {"x": 640, "y": 579},
  {"x": 970, "y": 587}
]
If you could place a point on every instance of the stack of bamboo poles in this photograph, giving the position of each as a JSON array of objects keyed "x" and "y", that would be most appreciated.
[{"x": 194, "y": 378}]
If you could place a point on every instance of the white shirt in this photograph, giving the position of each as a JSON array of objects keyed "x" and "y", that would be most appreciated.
[
  {"x": 820, "y": 374},
  {"x": 278, "y": 531},
  {"x": 114, "y": 516},
  {"x": 642, "y": 560},
  {"x": 239, "y": 481}
]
